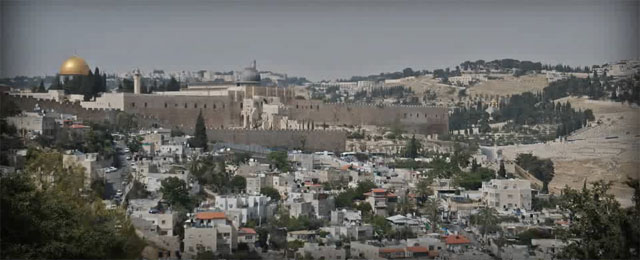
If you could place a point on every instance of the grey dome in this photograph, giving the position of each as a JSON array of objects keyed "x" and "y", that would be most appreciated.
[{"x": 249, "y": 74}]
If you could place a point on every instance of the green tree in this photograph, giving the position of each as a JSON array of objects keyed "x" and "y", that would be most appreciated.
[
  {"x": 175, "y": 191},
  {"x": 487, "y": 218},
  {"x": 8, "y": 107},
  {"x": 431, "y": 208},
  {"x": 51, "y": 220},
  {"x": 200, "y": 136},
  {"x": 279, "y": 159},
  {"x": 423, "y": 189},
  {"x": 502, "y": 172},
  {"x": 173, "y": 85},
  {"x": 271, "y": 193},
  {"x": 381, "y": 227},
  {"x": 41, "y": 88},
  {"x": 412, "y": 148},
  {"x": 602, "y": 228},
  {"x": 541, "y": 169},
  {"x": 238, "y": 183}
]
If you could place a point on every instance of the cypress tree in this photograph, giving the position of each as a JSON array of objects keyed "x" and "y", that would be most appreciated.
[
  {"x": 41, "y": 88},
  {"x": 200, "y": 135},
  {"x": 412, "y": 148},
  {"x": 502, "y": 172}
]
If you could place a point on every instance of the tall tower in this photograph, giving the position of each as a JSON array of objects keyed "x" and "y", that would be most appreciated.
[{"x": 137, "y": 82}]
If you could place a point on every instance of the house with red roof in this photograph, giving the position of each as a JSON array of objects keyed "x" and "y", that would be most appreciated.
[
  {"x": 247, "y": 235},
  {"x": 457, "y": 243},
  {"x": 209, "y": 231},
  {"x": 380, "y": 200}
]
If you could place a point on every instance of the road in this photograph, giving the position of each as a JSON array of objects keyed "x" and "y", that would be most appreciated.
[{"x": 113, "y": 180}]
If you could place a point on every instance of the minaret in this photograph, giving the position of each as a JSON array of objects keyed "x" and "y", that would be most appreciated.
[{"x": 137, "y": 82}]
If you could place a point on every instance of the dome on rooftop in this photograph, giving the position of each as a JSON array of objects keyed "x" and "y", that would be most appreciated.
[
  {"x": 74, "y": 66},
  {"x": 249, "y": 74}
]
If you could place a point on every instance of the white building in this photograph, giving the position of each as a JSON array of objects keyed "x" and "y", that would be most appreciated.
[
  {"x": 317, "y": 251},
  {"x": 242, "y": 208},
  {"x": 507, "y": 194}
]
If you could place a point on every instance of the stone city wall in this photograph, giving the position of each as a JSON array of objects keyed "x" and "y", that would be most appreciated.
[
  {"x": 74, "y": 108},
  {"x": 182, "y": 111},
  {"x": 416, "y": 119},
  {"x": 66, "y": 107},
  {"x": 307, "y": 140}
]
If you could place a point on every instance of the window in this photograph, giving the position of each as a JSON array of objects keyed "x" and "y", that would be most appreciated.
[
  {"x": 185, "y": 105},
  {"x": 241, "y": 105},
  {"x": 405, "y": 115},
  {"x": 296, "y": 105},
  {"x": 133, "y": 104},
  {"x": 214, "y": 106},
  {"x": 165, "y": 105},
  {"x": 195, "y": 105},
  {"x": 145, "y": 104},
  {"x": 164, "y": 221},
  {"x": 205, "y": 106}
]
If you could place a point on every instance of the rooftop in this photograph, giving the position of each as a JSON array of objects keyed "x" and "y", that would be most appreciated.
[
  {"x": 417, "y": 249},
  {"x": 456, "y": 240},
  {"x": 210, "y": 215}
]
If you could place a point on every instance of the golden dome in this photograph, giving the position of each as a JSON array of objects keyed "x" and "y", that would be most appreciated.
[{"x": 74, "y": 66}]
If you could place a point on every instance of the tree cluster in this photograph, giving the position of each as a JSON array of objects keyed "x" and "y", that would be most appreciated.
[
  {"x": 397, "y": 92},
  {"x": 50, "y": 220},
  {"x": 599, "y": 227},
  {"x": 211, "y": 172},
  {"x": 542, "y": 169},
  {"x": 279, "y": 160},
  {"x": 346, "y": 198},
  {"x": 89, "y": 86}
]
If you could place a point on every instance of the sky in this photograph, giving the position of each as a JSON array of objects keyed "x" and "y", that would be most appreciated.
[{"x": 315, "y": 39}]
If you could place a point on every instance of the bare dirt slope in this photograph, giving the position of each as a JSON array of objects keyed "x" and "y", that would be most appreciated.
[{"x": 606, "y": 151}]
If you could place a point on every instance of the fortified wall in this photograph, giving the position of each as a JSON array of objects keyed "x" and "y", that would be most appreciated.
[
  {"x": 414, "y": 119},
  {"x": 306, "y": 140},
  {"x": 66, "y": 107},
  {"x": 317, "y": 140},
  {"x": 219, "y": 112}
]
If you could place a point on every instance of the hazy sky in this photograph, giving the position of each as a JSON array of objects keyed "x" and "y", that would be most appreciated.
[{"x": 316, "y": 39}]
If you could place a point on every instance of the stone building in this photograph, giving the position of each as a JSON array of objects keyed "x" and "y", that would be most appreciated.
[{"x": 33, "y": 123}]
